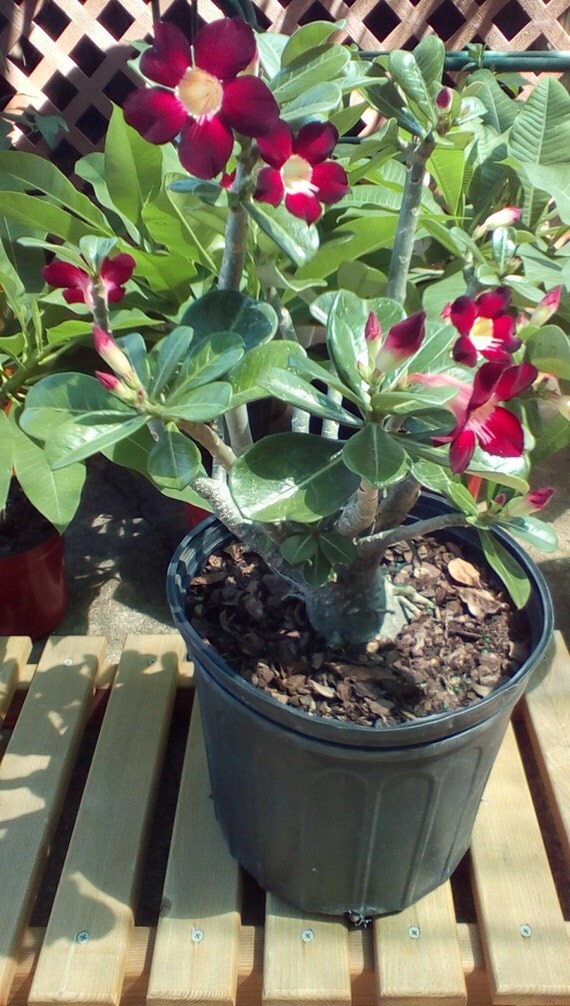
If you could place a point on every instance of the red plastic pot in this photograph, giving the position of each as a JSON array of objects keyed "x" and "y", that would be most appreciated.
[{"x": 33, "y": 589}]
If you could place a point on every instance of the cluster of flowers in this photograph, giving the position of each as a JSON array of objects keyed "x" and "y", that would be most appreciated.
[{"x": 209, "y": 92}]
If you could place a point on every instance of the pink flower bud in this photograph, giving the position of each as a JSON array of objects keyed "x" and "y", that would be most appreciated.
[
  {"x": 500, "y": 499},
  {"x": 372, "y": 329},
  {"x": 502, "y": 218},
  {"x": 444, "y": 99},
  {"x": 111, "y": 383},
  {"x": 546, "y": 307},
  {"x": 403, "y": 340},
  {"x": 531, "y": 503},
  {"x": 110, "y": 352}
]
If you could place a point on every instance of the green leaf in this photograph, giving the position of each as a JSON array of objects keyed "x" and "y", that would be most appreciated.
[
  {"x": 201, "y": 405},
  {"x": 208, "y": 362},
  {"x": 406, "y": 72},
  {"x": 291, "y": 476},
  {"x": 231, "y": 311},
  {"x": 345, "y": 338},
  {"x": 56, "y": 494},
  {"x": 133, "y": 167},
  {"x": 317, "y": 571},
  {"x": 247, "y": 376},
  {"x": 429, "y": 55},
  {"x": 553, "y": 179},
  {"x": 299, "y": 393},
  {"x": 306, "y": 39},
  {"x": 554, "y": 437},
  {"x": 297, "y": 548},
  {"x": 462, "y": 499},
  {"x": 540, "y": 133},
  {"x": 6, "y": 454},
  {"x": 500, "y": 109},
  {"x": 80, "y": 438},
  {"x": 326, "y": 64},
  {"x": 41, "y": 217},
  {"x": 549, "y": 350},
  {"x": 315, "y": 103},
  {"x": 376, "y": 456},
  {"x": 166, "y": 356},
  {"x": 58, "y": 398},
  {"x": 533, "y": 532},
  {"x": 506, "y": 567},
  {"x": 337, "y": 549},
  {"x": 22, "y": 172},
  {"x": 174, "y": 461},
  {"x": 452, "y": 173},
  {"x": 292, "y": 235}
]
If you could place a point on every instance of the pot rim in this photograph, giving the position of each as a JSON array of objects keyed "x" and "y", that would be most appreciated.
[{"x": 211, "y": 533}]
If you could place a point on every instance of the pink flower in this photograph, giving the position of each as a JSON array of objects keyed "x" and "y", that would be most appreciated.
[
  {"x": 485, "y": 329},
  {"x": 546, "y": 307},
  {"x": 299, "y": 171},
  {"x": 204, "y": 94},
  {"x": 372, "y": 329},
  {"x": 502, "y": 218},
  {"x": 479, "y": 417},
  {"x": 116, "y": 387},
  {"x": 77, "y": 283},
  {"x": 444, "y": 99}
]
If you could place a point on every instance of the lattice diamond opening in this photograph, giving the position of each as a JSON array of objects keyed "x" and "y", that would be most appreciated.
[{"x": 52, "y": 19}]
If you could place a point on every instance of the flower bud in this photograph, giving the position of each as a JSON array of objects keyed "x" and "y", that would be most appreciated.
[
  {"x": 403, "y": 340},
  {"x": 110, "y": 352},
  {"x": 530, "y": 503},
  {"x": 372, "y": 329},
  {"x": 444, "y": 99},
  {"x": 116, "y": 387},
  {"x": 546, "y": 307}
]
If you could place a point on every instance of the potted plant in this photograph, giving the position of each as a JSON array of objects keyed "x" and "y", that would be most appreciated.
[{"x": 345, "y": 778}]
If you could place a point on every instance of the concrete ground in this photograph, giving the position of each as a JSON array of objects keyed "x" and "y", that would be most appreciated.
[{"x": 120, "y": 543}]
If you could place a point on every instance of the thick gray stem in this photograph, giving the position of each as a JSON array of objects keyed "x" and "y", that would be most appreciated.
[
  {"x": 359, "y": 606},
  {"x": 418, "y": 154}
]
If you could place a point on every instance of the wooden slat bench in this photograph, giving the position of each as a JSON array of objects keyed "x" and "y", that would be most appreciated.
[{"x": 512, "y": 946}]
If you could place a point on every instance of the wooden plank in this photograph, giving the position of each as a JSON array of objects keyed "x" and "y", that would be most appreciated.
[
  {"x": 522, "y": 929},
  {"x": 306, "y": 959},
  {"x": 87, "y": 938},
  {"x": 34, "y": 773},
  {"x": 14, "y": 652},
  {"x": 418, "y": 956},
  {"x": 547, "y": 714},
  {"x": 197, "y": 942}
]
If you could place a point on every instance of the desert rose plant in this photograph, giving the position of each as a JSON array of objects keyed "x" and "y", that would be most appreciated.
[{"x": 399, "y": 396}]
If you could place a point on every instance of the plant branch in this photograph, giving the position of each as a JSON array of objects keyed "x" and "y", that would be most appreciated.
[
  {"x": 374, "y": 545},
  {"x": 360, "y": 511},
  {"x": 417, "y": 157},
  {"x": 207, "y": 437}
]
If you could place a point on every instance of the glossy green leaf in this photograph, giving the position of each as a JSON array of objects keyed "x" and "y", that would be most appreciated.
[
  {"x": 22, "y": 172},
  {"x": 452, "y": 173},
  {"x": 80, "y": 438},
  {"x": 337, "y": 549},
  {"x": 315, "y": 103},
  {"x": 6, "y": 453},
  {"x": 208, "y": 362},
  {"x": 533, "y": 532},
  {"x": 291, "y": 234},
  {"x": 554, "y": 437},
  {"x": 500, "y": 109},
  {"x": 231, "y": 311},
  {"x": 297, "y": 548},
  {"x": 553, "y": 179},
  {"x": 327, "y": 64},
  {"x": 40, "y": 217},
  {"x": 133, "y": 167},
  {"x": 291, "y": 476},
  {"x": 306, "y": 39},
  {"x": 506, "y": 567},
  {"x": 540, "y": 133},
  {"x": 56, "y": 494},
  {"x": 174, "y": 461},
  {"x": 134, "y": 348},
  {"x": 406, "y": 72},
  {"x": 462, "y": 498},
  {"x": 317, "y": 571},
  {"x": 418, "y": 399},
  {"x": 549, "y": 350},
  {"x": 299, "y": 393},
  {"x": 345, "y": 338},
  {"x": 429, "y": 55},
  {"x": 200, "y": 405},
  {"x": 167, "y": 355},
  {"x": 58, "y": 398},
  {"x": 376, "y": 456},
  {"x": 247, "y": 377}
]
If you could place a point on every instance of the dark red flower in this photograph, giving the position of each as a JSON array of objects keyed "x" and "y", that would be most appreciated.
[
  {"x": 209, "y": 94},
  {"x": 485, "y": 329},
  {"x": 298, "y": 170},
  {"x": 115, "y": 271},
  {"x": 479, "y": 417}
]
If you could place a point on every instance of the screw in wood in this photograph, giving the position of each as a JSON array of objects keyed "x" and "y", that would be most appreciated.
[
  {"x": 525, "y": 931},
  {"x": 414, "y": 932},
  {"x": 197, "y": 935},
  {"x": 82, "y": 937},
  {"x": 307, "y": 935}
]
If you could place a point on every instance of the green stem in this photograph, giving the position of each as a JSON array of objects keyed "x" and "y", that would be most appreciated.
[{"x": 418, "y": 154}]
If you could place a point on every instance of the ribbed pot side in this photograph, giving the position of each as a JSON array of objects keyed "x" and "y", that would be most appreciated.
[{"x": 335, "y": 817}]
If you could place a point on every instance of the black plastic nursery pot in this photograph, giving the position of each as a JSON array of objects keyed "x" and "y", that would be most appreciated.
[{"x": 336, "y": 817}]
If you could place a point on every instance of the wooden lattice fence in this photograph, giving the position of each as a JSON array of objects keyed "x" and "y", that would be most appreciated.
[{"x": 70, "y": 56}]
